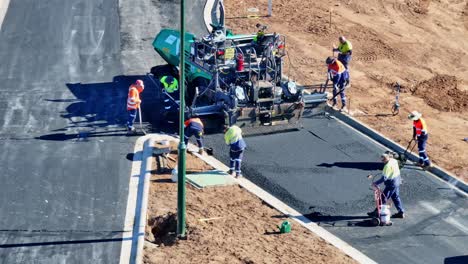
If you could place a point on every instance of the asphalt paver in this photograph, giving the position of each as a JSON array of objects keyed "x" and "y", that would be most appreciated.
[{"x": 321, "y": 171}]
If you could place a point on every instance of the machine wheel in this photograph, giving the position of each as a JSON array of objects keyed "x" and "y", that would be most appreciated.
[{"x": 375, "y": 221}]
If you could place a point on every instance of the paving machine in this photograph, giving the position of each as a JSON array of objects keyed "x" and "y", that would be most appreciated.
[{"x": 234, "y": 79}]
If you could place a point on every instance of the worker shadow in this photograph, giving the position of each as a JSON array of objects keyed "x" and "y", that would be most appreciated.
[
  {"x": 456, "y": 260},
  {"x": 339, "y": 220},
  {"x": 99, "y": 109},
  {"x": 369, "y": 166}
]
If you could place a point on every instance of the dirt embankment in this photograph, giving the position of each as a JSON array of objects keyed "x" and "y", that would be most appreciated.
[
  {"x": 441, "y": 93},
  {"x": 225, "y": 225},
  {"x": 414, "y": 42}
]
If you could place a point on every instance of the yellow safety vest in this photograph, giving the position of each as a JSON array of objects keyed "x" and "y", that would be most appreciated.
[
  {"x": 170, "y": 88},
  {"x": 232, "y": 135},
  {"x": 391, "y": 169}
]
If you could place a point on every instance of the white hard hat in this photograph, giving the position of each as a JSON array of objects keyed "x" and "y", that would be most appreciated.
[{"x": 415, "y": 115}]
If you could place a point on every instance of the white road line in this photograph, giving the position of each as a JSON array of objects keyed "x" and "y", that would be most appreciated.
[{"x": 3, "y": 9}]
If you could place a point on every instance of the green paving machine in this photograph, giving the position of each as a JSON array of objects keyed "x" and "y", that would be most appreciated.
[{"x": 234, "y": 79}]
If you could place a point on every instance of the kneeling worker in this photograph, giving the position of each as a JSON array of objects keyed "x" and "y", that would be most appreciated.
[
  {"x": 392, "y": 180},
  {"x": 194, "y": 127},
  {"x": 233, "y": 138}
]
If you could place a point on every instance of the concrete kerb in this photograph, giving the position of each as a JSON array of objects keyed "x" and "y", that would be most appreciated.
[
  {"x": 373, "y": 134},
  {"x": 3, "y": 9}
]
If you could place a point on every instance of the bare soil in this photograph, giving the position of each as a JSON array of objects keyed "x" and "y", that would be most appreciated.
[
  {"x": 225, "y": 225},
  {"x": 418, "y": 43}
]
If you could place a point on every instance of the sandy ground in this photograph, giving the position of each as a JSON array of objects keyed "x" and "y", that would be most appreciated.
[
  {"x": 418, "y": 43},
  {"x": 242, "y": 228}
]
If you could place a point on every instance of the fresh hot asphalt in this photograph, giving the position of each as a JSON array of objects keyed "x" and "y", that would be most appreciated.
[{"x": 321, "y": 171}]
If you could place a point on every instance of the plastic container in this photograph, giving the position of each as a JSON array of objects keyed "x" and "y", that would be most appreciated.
[
  {"x": 174, "y": 175},
  {"x": 384, "y": 214},
  {"x": 285, "y": 227}
]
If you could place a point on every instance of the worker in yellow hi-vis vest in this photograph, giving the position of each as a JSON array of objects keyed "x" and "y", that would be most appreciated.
[
  {"x": 171, "y": 92},
  {"x": 392, "y": 180}
]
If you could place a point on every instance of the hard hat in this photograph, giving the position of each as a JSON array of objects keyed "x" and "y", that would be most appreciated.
[
  {"x": 342, "y": 39},
  {"x": 330, "y": 60},
  {"x": 415, "y": 115},
  {"x": 140, "y": 83}
]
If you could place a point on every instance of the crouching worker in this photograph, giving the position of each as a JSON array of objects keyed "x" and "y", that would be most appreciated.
[
  {"x": 194, "y": 127},
  {"x": 392, "y": 180},
  {"x": 233, "y": 138}
]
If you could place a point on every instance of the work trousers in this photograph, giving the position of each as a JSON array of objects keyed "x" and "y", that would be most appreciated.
[
  {"x": 236, "y": 161},
  {"x": 191, "y": 131},
  {"x": 170, "y": 105},
  {"x": 423, "y": 158},
  {"x": 131, "y": 117},
  {"x": 345, "y": 59},
  {"x": 339, "y": 87},
  {"x": 393, "y": 192}
]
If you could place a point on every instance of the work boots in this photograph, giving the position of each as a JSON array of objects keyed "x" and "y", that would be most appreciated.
[{"x": 399, "y": 215}]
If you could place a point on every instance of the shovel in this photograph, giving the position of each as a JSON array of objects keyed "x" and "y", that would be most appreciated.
[{"x": 141, "y": 123}]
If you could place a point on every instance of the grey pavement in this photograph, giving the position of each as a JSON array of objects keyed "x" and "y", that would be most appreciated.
[
  {"x": 321, "y": 172},
  {"x": 65, "y": 71},
  {"x": 65, "y": 171}
]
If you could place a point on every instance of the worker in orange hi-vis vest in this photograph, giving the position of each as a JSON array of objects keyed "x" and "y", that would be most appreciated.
[
  {"x": 133, "y": 102},
  {"x": 420, "y": 133}
]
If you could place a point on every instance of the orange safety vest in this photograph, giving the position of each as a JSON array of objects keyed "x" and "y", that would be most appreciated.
[
  {"x": 196, "y": 120},
  {"x": 336, "y": 68},
  {"x": 133, "y": 100},
  {"x": 420, "y": 126}
]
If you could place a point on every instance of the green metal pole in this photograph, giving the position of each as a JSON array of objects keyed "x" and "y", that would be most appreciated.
[{"x": 181, "y": 207}]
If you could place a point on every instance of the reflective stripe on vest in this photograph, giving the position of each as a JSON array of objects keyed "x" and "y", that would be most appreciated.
[
  {"x": 133, "y": 98},
  {"x": 170, "y": 88},
  {"x": 420, "y": 126}
]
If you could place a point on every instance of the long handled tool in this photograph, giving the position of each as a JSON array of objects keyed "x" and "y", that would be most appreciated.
[
  {"x": 403, "y": 157},
  {"x": 396, "y": 105},
  {"x": 141, "y": 123}
]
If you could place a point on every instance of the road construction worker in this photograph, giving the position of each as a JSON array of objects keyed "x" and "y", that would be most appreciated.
[
  {"x": 194, "y": 127},
  {"x": 392, "y": 180},
  {"x": 170, "y": 90},
  {"x": 133, "y": 102},
  {"x": 260, "y": 33},
  {"x": 233, "y": 138},
  {"x": 337, "y": 73},
  {"x": 345, "y": 50},
  {"x": 420, "y": 134}
]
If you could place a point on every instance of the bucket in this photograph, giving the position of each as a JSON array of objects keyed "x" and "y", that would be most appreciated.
[
  {"x": 384, "y": 214},
  {"x": 285, "y": 227}
]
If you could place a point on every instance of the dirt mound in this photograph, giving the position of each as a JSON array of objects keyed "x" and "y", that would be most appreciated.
[{"x": 441, "y": 92}]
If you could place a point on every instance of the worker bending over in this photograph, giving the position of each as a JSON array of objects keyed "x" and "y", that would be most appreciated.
[
  {"x": 420, "y": 134},
  {"x": 194, "y": 127},
  {"x": 170, "y": 90},
  {"x": 233, "y": 138},
  {"x": 338, "y": 74},
  {"x": 133, "y": 103},
  {"x": 391, "y": 179}
]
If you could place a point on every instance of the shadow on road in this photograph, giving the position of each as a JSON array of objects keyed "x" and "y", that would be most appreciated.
[
  {"x": 99, "y": 109},
  {"x": 369, "y": 166}
]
